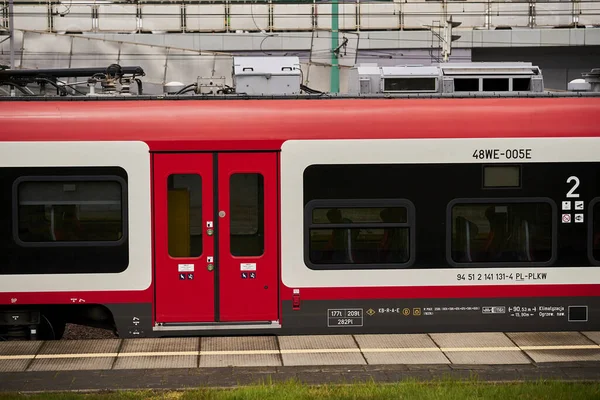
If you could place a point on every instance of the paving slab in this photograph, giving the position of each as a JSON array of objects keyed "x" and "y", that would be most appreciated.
[
  {"x": 239, "y": 352},
  {"x": 593, "y": 336},
  {"x": 547, "y": 356},
  {"x": 479, "y": 348},
  {"x": 71, "y": 364},
  {"x": 473, "y": 340},
  {"x": 158, "y": 361},
  {"x": 316, "y": 342},
  {"x": 547, "y": 347},
  {"x": 162, "y": 345},
  {"x": 104, "y": 346},
  {"x": 400, "y": 349},
  {"x": 239, "y": 343},
  {"x": 54, "y": 355},
  {"x": 323, "y": 359},
  {"x": 17, "y": 355},
  {"x": 158, "y": 353},
  {"x": 13, "y": 365},
  {"x": 320, "y": 350},
  {"x": 527, "y": 339},
  {"x": 487, "y": 357},
  {"x": 14, "y": 348},
  {"x": 240, "y": 360}
]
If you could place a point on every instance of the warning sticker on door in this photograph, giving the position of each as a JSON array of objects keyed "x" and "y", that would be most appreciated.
[
  {"x": 185, "y": 267},
  {"x": 248, "y": 267}
]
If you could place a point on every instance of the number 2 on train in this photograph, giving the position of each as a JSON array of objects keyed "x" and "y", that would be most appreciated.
[{"x": 570, "y": 193}]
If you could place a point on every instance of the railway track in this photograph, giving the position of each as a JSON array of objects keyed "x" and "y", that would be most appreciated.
[{"x": 79, "y": 332}]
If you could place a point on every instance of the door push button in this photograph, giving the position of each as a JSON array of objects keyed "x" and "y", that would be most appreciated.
[
  {"x": 210, "y": 232},
  {"x": 210, "y": 267}
]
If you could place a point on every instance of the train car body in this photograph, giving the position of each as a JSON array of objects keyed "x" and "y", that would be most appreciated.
[{"x": 188, "y": 217}]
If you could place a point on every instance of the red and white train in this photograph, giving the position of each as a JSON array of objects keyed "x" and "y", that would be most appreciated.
[{"x": 204, "y": 217}]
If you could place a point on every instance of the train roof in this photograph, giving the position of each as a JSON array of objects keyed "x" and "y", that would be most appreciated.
[{"x": 253, "y": 124}]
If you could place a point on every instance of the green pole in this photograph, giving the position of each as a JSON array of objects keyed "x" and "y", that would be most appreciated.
[{"x": 335, "y": 69}]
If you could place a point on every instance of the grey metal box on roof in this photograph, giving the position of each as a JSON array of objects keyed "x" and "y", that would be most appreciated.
[{"x": 267, "y": 75}]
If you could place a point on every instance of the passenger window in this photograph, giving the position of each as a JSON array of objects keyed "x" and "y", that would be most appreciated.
[
  {"x": 70, "y": 211},
  {"x": 502, "y": 232},
  {"x": 184, "y": 204},
  {"x": 359, "y": 235},
  {"x": 246, "y": 209}
]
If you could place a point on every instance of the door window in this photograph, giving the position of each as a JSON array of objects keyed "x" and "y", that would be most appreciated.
[
  {"x": 184, "y": 200},
  {"x": 246, "y": 215}
]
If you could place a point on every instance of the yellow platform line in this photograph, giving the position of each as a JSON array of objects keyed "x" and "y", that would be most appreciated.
[
  {"x": 238, "y": 352},
  {"x": 18, "y": 357},
  {"x": 81, "y": 355},
  {"x": 565, "y": 347}
]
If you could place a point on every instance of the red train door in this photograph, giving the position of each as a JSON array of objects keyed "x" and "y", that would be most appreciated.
[
  {"x": 183, "y": 208},
  {"x": 248, "y": 237},
  {"x": 215, "y": 237}
]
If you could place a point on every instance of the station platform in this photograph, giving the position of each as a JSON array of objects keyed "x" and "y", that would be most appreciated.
[{"x": 226, "y": 361}]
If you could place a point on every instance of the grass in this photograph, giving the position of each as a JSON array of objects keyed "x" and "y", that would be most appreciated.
[{"x": 410, "y": 390}]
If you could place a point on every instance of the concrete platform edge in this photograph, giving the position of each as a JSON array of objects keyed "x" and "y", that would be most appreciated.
[{"x": 230, "y": 377}]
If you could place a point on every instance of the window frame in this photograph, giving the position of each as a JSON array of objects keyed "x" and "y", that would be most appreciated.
[
  {"x": 506, "y": 200},
  {"x": 71, "y": 178},
  {"x": 359, "y": 203},
  {"x": 590, "y": 231}
]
